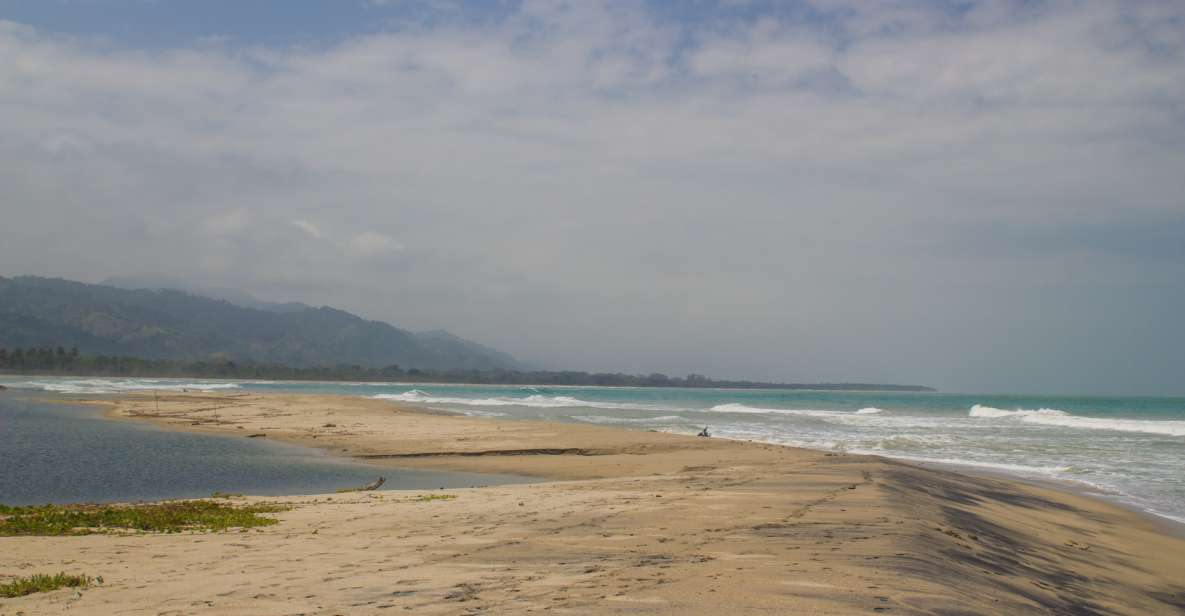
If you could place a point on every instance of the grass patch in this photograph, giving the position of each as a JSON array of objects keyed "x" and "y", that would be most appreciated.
[
  {"x": 424, "y": 498},
  {"x": 168, "y": 517},
  {"x": 22, "y": 586}
]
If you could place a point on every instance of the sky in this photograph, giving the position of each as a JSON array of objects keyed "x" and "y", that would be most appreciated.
[{"x": 982, "y": 196}]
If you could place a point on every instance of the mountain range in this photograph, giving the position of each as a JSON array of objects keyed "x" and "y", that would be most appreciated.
[{"x": 146, "y": 318}]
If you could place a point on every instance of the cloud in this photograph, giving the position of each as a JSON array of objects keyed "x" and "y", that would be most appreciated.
[
  {"x": 763, "y": 54},
  {"x": 65, "y": 144},
  {"x": 370, "y": 244},
  {"x": 601, "y": 186},
  {"x": 228, "y": 223},
  {"x": 311, "y": 229}
]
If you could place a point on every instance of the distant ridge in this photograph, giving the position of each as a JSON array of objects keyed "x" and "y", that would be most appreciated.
[
  {"x": 178, "y": 325},
  {"x": 72, "y": 328},
  {"x": 234, "y": 296}
]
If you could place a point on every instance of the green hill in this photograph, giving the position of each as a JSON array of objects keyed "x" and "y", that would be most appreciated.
[{"x": 176, "y": 325}]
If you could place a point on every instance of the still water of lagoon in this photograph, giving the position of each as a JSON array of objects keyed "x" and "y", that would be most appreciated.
[{"x": 58, "y": 453}]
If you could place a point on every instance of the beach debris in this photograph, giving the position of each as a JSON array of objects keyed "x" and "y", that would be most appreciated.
[
  {"x": 704, "y": 433},
  {"x": 256, "y": 435},
  {"x": 462, "y": 592},
  {"x": 374, "y": 485}
]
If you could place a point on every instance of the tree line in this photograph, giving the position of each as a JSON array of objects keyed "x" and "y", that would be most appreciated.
[
  {"x": 69, "y": 362},
  {"x": 46, "y": 358}
]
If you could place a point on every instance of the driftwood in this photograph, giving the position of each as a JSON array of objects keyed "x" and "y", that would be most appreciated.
[{"x": 374, "y": 485}]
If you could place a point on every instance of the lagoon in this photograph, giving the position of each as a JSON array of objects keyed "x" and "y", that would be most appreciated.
[{"x": 61, "y": 453}]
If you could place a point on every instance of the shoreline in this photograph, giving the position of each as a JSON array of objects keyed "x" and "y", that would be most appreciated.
[
  {"x": 1167, "y": 524},
  {"x": 628, "y": 521}
]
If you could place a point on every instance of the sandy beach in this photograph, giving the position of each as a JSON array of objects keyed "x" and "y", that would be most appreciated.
[{"x": 621, "y": 522}]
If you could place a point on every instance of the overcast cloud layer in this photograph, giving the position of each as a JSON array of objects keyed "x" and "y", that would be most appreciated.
[{"x": 988, "y": 198}]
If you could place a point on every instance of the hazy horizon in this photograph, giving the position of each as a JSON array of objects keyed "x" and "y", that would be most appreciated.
[{"x": 979, "y": 196}]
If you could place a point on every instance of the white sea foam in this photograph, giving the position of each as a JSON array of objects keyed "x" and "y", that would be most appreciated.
[
  {"x": 1054, "y": 417},
  {"x": 733, "y": 407},
  {"x": 604, "y": 419},
  {"x": 914, "y": 442},
  {"x": 980, "y": 410},
  {"x": 1047, "y": 471},
  {"x": 840, "y": 416},
  {"x": 114, "y": 386},
  {"x": 416, "y": 396},
  {"x": 1167, "y": 516},
  {"x": 477, "y": 413}
]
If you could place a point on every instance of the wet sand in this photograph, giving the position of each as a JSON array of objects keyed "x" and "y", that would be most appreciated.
[{"x": 622, "y": 522}]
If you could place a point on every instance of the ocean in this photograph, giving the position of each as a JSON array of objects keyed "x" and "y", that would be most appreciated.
[{"x": 1128, "y": 449}]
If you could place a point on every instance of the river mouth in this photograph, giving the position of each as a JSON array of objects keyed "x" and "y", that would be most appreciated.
[{"x": 55, "y": 452}]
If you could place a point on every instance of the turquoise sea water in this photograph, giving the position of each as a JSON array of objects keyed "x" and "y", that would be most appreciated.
[{"x": 1130, "y": 449}]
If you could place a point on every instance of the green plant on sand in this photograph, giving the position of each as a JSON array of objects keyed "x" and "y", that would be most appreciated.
[
  {"x": 166, "y": 517},
  {"x": 21, "y": 586},
  {"x": 424, "y": 498}
]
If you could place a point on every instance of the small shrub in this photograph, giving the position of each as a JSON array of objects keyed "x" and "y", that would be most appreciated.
[
  {"x": 423, "y": 498},
  {"x": 167, "y": 517},
  {"x": 22, "y": 586}
]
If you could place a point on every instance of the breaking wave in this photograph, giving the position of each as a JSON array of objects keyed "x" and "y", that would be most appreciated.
[
  {"x": 603, "y": 419},
  {"x": 1054, "y": 417},
  {"x": 757, "y": 410},
  {"x": 733, "y": 407},
  {"x": 115, "y": 386},
  {"x": 416, "y": 396}
]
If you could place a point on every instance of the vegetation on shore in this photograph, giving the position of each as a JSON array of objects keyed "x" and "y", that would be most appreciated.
[
  {"x": 427, "y": 498},
  {"x": 60, "y": 361},
  {"x": 21, "y": 586},
  {"x": 166, "y": 517}
]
